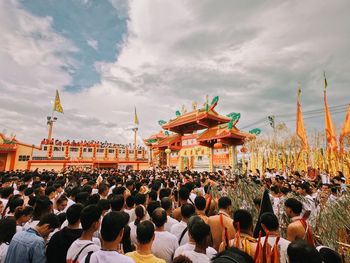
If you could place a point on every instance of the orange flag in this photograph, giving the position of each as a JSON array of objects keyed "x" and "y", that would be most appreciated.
[
  {"x": 345, "y": 131},
  {"x": 300, "y": 128},
  {"x": 330, "y": 132}
]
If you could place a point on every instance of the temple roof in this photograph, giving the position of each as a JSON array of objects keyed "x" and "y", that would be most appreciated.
[
  {"x": 223, "y": 134},
  {"x": 170, "y": 142},
  {"x": 195, "y": 120}
]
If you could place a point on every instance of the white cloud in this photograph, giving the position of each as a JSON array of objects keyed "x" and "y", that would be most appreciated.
[
  {"x": 93, "y": 43},
  {"x": 251, "y": 55}
]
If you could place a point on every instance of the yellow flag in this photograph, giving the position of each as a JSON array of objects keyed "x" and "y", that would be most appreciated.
[
  {"x": 136, "y": 119},
  {"x": 345, "y": 131},
  {"x": 57, "y": 104},
  {"x": 330, "y": 131},
  {"x": 300, "y": 128}
]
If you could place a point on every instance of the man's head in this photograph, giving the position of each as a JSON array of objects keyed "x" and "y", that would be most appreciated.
[
  {"x": 293, "y": 207},
  {"x": 187, "y": 210},
  {"x": 73, "y": 213},
  {"x": 47, "y": 224},
  {"x": 145, "y": 232},
  {"x": 167, "y": 204},
  {"x": 159, "y": 217},
  {"x": 112, "y": 228},
  {"x": 269, "y": 222},
  {"x": 117, "y": 202},
  {"x": 200, "y": 233},
  {"x": 244, "y": 219},
  {"x": 90, "y": 218},
  {"x": 200, "y": 203},
  {"x": 300, "y": 251},
  {"x": 225, "y": 203},
  {"x": 184, "y": 194}
]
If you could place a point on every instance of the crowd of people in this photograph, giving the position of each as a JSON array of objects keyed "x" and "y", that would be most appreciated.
[
  {"x": 81, "y": 215},
  {"x": 85, "y": 143}
]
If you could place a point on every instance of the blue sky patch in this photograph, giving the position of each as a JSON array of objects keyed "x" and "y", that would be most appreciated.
[{"x": 95, "y": 27}]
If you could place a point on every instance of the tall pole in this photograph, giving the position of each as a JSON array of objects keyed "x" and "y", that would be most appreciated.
[
  {"x": 50, "y": 123},
  {"x": 135, "y": 147}
]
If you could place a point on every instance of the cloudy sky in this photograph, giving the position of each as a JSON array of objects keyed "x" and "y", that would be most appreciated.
[{"x": 107, "y": 56}]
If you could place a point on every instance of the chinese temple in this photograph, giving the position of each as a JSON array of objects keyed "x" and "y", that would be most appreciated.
[{"x": 201, "y": 140}]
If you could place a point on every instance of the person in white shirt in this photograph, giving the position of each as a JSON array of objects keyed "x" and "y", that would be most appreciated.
[
  {"x": 180, "y": 229},
  {"x": 165, "y": 243},
  {"x": 90, "y": 219},
  {"x": 190, "y": 246},
  {"x": 200, "y": 232},
  {"x": 112, "y": 231},
  {"x": 140, "y": 213},
  {"x": 269, "y": 222},
  {"x": 167, "y": 205},
  {"x": 130, "y": 208}
]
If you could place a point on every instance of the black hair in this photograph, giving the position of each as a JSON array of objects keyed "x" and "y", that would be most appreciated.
[
  {"x": 61, "y": 199},
  {"x": 295, "y": 205},
  {"x": 49, "y": 190},
  {"x": 244, "y": 218},
  {"x": 119, "y": 190},
  {"x": 87, "y": 188},
  {"x": 166, "y": 203},
  {"x": 187, "y": 210},
  {"x": 14, "y": 202},
  {"x": 329, "y": 256},
  {"x": 153, "y": 195},
  {"x": 159, "y": 217},
  {"x": 42, "y": 206},
  {"x": 104, "y": 204},
  {"x": 299, "y": 251},
  {"x": 140, "y": 213},
  {"x": 232, "y": 255},
  {"x": 93, "y": 199},
  {"x": 182, "y": 259},
  {"x": 269, "y": 220},
  {"x": 117, "y": 202},
  {"x": 130, "y": 201},
  {"x": 112, "y": 224},
  {"x": 50, "y": 219},
  {"x": 140, "y": 199},
  {"x": 28, "y": 210},
  {"x": 61, "y": 218},
  {"x": 7, "y": 229},
  {"x": 152, "y": 206},
  {"x": 184, "y": 193},
  {"x": 82, "y": 197},
  {"x": 102, "y": 188},
  {"x": 199, "y": 231},
  {"x": 6, "y": 192},
  {"x": 145, "y": 232},
  {"x": 200, "y": 203},
  {"x": 164, "y": 192},
  {"x": 224, "y": 202},
  {"x": 89, "y": 215},
  {"x": 73, "y": 213}
]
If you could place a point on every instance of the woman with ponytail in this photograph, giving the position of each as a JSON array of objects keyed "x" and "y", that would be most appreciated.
[{"x": 140, "y": 213}]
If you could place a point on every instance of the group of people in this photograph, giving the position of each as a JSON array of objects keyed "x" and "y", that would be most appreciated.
[
  {"x": 85, "y": 143},
  {"x": 157, "y": 216}
]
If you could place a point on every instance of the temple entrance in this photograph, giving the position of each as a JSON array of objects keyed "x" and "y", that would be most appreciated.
[{"x": 3, "y": 158}]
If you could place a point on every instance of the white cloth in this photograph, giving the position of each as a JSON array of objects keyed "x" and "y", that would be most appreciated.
[
  {"x": 69, "y": 204},
  {"x": 164, "y": 245},
  {"x": 30, "y": 224},
  {"x": 102, "y": 256},
  {"x": 177, "y": 230},
  {"x": 196, "y": 257},
  {"x": 3, "y": 252},
  {"x": 211, "y": 252},
  {"x": 131, "y": 213},
  {"x": 78, "y": 244},
  {"x": 169, "y": 223},
  {"x": 283, "y": 245}
]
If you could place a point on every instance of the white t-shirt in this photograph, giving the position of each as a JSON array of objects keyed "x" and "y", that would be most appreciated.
[
  {"x": 131, "y": 213},
  {"x": 211, "y": 252},
  {"x": 164, "y": 245},
  {"x": 283, "y": 245},
  {"x": 169, "y": 223},
  {"x": 69, "y": 203},
  {"x": 177, "y": 230},
  {"x": 102, "y": 256},
  {"x": 3, "y": 252},
  {"x": 78, "y": 244},
  {"x": 196, "y": 257}
]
